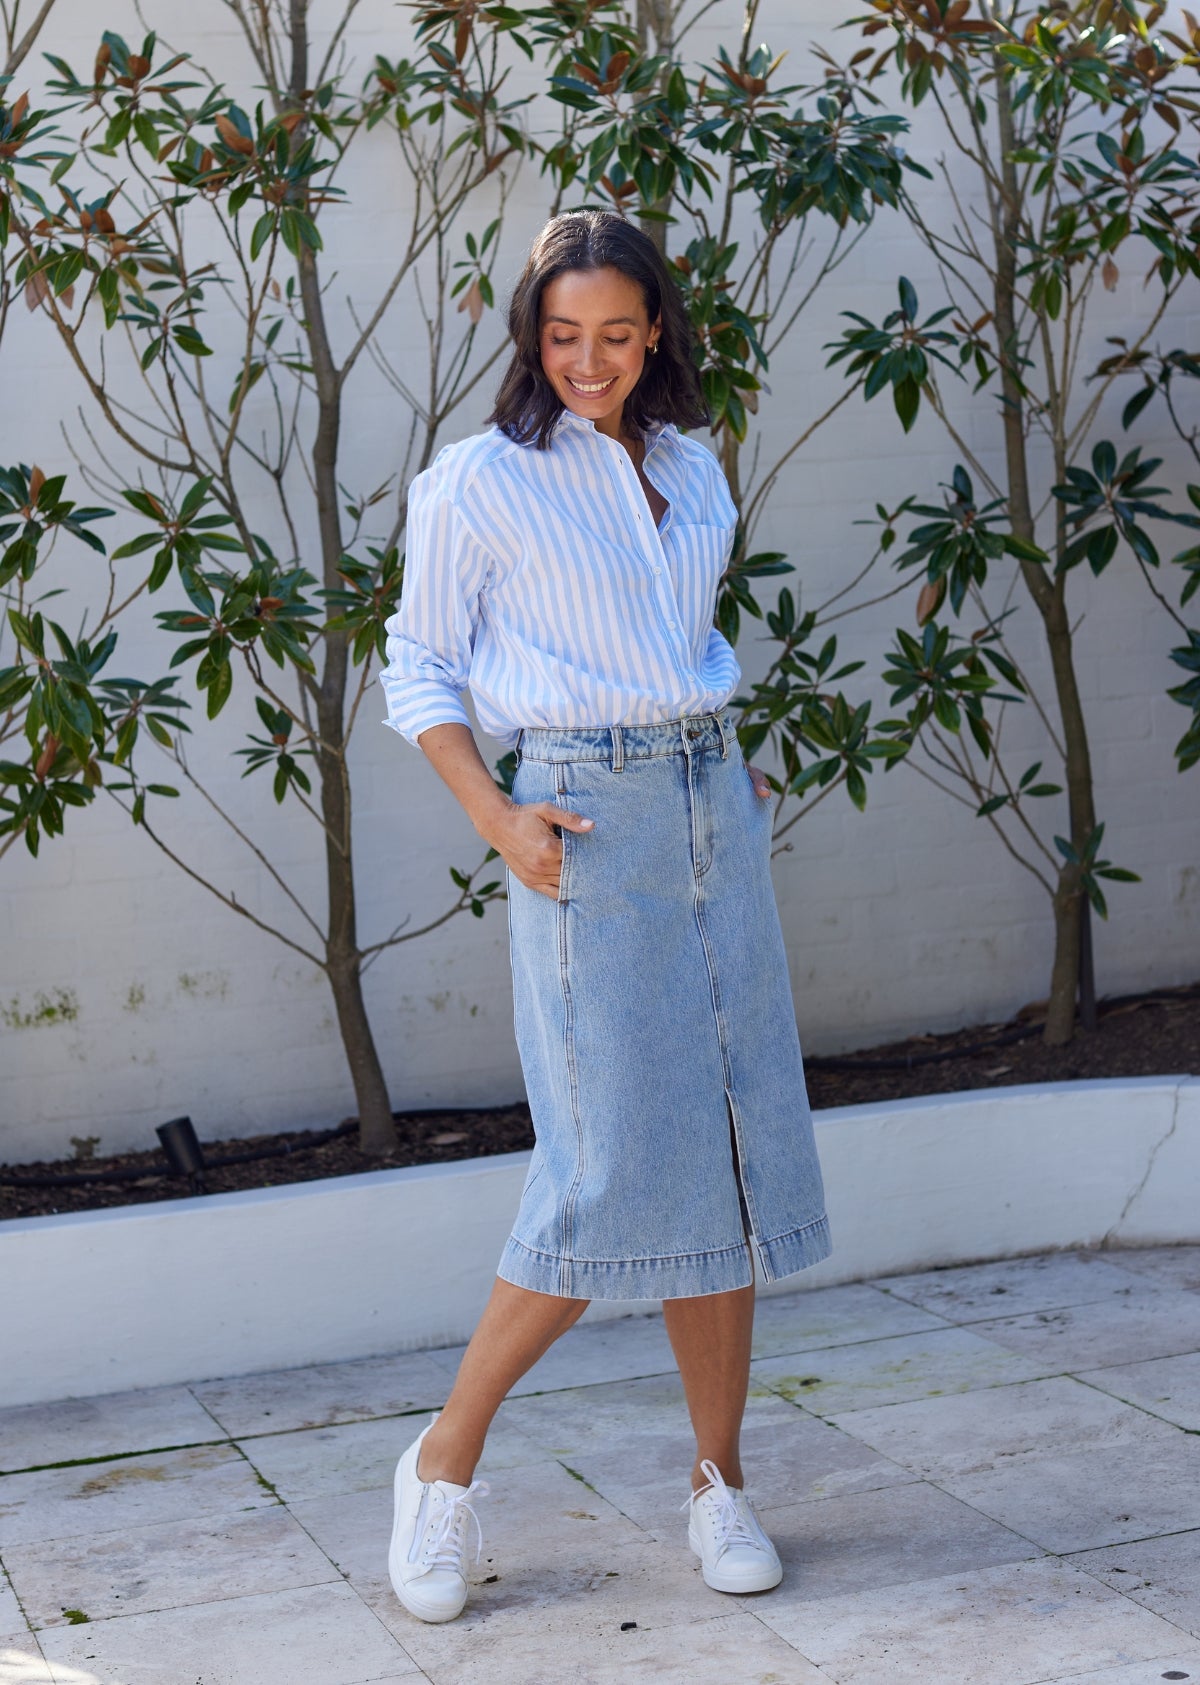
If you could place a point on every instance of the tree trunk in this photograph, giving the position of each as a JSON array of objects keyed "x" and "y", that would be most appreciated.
[
  {"x": 377, "y": 1131},
  {"x": 1049, "y": 596}
]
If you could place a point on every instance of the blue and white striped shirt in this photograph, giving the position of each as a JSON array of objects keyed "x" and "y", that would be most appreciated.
[{"x": 540, "y": 579}]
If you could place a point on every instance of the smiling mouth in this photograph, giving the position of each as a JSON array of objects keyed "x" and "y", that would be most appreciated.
[{"x": 591, "y": 388}]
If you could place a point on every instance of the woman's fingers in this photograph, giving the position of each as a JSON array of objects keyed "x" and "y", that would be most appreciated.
[
  {"x": 759, "y": 780},
  {"x": 533, "y": 851}
]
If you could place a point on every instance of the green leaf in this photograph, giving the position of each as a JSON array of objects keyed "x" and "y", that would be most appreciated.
[
  {"x": 261, "y": 233},
  {"x": 220, "y": 688}
]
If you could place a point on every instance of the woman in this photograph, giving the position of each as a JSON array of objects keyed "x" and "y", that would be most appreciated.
[{"x": 566, "y": 563}]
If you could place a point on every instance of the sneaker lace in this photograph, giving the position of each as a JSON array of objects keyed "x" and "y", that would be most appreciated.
[
  {"x": 447, "y": 1537},
  {"x": 731, "y": 1525}
]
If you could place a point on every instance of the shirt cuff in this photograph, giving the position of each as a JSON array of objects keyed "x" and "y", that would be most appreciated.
[{"x": 421, "y": 706}]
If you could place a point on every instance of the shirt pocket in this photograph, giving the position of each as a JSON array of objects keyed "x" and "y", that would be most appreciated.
[{"x": 699, "y": 549}]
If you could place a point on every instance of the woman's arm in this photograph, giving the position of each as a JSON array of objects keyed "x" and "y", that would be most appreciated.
[{"x": 521, "y": 833}]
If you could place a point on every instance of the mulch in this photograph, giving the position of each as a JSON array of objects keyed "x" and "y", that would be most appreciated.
[{"x": 1154, "y": 1034}]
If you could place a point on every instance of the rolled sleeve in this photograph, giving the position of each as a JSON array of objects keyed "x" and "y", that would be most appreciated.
[{"x": 431, "y": 636}]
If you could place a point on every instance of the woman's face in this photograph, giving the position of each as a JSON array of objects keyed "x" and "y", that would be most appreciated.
[{"x": 594, "y": 334}]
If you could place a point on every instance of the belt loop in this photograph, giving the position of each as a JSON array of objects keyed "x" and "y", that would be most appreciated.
[
  {"x": 517, "y": 744},
  {"x": 723, "y": 729},
  {"x": 618, "y": 749}
]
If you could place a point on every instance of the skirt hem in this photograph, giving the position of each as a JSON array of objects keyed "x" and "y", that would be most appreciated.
[
  {"x": 684, "y": 1277},
  {"x": 799, "y": 1250},
  {"x": 689, "y": 1276}
]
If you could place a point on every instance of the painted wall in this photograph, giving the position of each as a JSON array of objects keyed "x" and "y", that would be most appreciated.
[{"x": 127, "y": 995}]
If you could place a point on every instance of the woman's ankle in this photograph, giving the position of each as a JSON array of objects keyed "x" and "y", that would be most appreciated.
[{"x": 444, "y": 1457}]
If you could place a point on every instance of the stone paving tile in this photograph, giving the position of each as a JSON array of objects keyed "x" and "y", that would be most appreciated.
[
  {"x": 362, "y": 1456},
  {"x": 1176, "y": 1266},
  {"x": 11, "y": 1618},
  {"x": 733, "y": 1649},
  {"x": 22, "y": 1663},
  {"x": 833, "y": 1316},
  {"x": 127, "y": 1492},
  {"x": 632, "y": 1441},
  {"x": 943, "y": 1360},
  {"x": 325, "y": 1393},
  {"x": 1015, "y": 1286},
  {"x": 318, "y": 1635},
  {"x": 556, "y": 1560},
  {"x": 1010, "y": 1625},
  {"x": 1167, "y": 1386},
  {"x": 165, "y": 1566},
  {"x": 591, "y": 1354},
  {"x": 1152, "y": 1323},
  {"x": 886, "y": 1538},
  {"x": 73, "y": 1428},
  {"x": 997, "y": 1427},
  {"x": 1102, "y": 1496},
  {"x": 1137, "y": 1673},
  {"x": 1162, "y": 1574}
]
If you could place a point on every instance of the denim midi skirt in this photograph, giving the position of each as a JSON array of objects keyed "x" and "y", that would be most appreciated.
[{"x": 655, "y": 1026}]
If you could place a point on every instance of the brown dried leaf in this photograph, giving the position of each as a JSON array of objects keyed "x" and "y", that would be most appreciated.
[
  {"x": 104, "y": 221},
  {"x": 472, "y": 301},
  {"x": 68, "y": 297},
  {"x": 20, "y": 107},
  {"x": 930, "y": 600},
  {"x": 233, "y": 138},
  {"x": 37, "y": 480},
  {"x": 1110, "y": 274},
  {"x": 138, "y": 66},
  {"x": 46, "y": 759},
  {"x": 462, "y": 37},
  {"x": 37, "y": 290}
]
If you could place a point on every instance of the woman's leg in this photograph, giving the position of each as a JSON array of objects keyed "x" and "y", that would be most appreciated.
[
  {"x": 515, "y": 1329},
  {"x": 710, "y": 1337}
]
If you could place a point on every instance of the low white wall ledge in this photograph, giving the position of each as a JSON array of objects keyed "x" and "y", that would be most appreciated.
[{"x": 394, "y": 1260}]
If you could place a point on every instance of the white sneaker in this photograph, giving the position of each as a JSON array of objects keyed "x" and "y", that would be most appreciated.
[
  {"x": 727, "y": 1536},
  {"x": 429, "y": 1535}
]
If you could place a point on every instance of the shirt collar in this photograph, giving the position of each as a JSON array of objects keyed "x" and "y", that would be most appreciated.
[{"x": 568, "y": 419}]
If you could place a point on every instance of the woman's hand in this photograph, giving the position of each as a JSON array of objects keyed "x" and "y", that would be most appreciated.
[
  {"x": 759, "y": 780},
  {"x": 523, "y": 836}
]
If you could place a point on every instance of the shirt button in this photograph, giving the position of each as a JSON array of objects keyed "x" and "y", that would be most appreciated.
[
  {"x": 671, "y": 627},
  {"x": 656, "y": 570}
]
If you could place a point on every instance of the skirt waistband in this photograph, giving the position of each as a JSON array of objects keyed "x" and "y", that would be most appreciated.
[{"x": 620, "y": 743}]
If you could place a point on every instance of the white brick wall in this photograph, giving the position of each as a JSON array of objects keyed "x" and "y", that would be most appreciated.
[{"x": 906, "y": 918}]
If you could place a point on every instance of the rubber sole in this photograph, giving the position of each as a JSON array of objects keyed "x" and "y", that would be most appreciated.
[{"x": 766, "y": 1580}]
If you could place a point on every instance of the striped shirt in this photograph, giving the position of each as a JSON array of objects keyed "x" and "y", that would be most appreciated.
[{"x": 540, "y": 579}]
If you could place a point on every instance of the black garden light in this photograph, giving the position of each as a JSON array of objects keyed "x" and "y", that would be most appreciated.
[{"x": 183, "y": 1150}]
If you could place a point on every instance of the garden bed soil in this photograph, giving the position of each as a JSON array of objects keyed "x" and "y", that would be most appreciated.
[{"x": 1156, "y": 1034}]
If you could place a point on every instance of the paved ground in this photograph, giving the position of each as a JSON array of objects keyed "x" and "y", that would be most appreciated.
[{"x": 983, "y": 1476}]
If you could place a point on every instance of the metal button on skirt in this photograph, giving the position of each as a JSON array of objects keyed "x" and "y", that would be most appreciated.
[{"x": 655, "y": 1026}]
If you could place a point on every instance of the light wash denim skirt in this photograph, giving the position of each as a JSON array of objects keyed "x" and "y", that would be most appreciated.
[{"x": 655, "y": 1026}]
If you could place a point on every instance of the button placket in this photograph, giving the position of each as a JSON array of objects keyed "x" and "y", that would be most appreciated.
[{"x": 668, "y": 605}]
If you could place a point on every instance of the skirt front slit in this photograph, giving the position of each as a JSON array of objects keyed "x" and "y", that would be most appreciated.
[{"x": 655, "y": 1026}]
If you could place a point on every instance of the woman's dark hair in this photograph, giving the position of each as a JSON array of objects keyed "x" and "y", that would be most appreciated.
[{"x": 527, "y": 406}]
